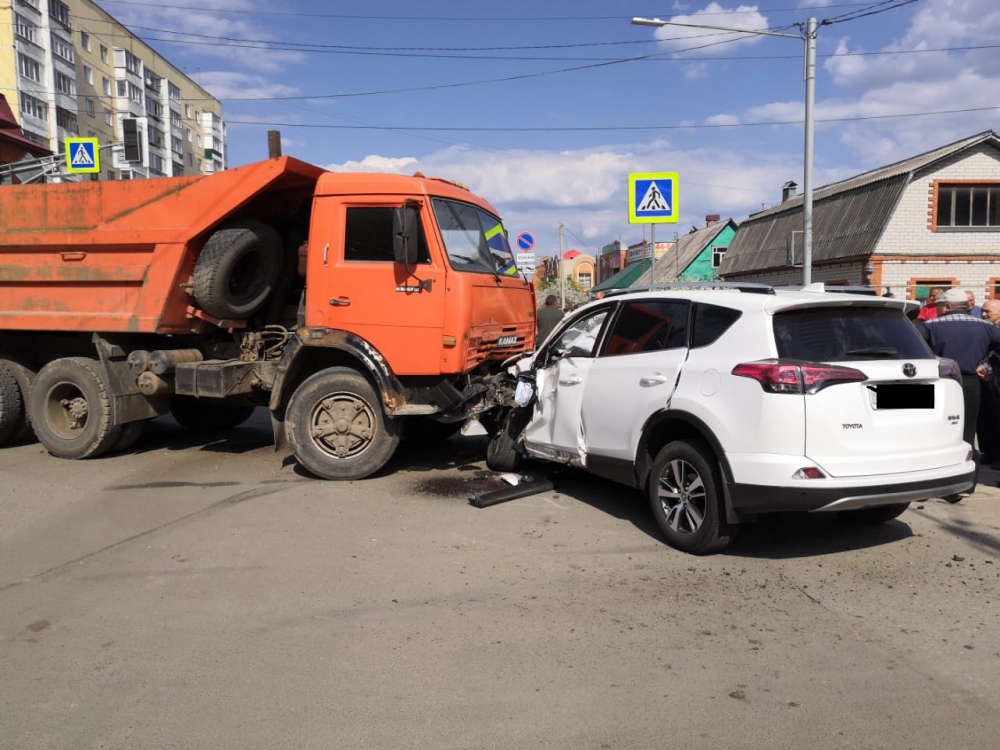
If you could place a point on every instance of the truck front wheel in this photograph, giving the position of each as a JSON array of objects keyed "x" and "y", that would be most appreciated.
[
  {"x": 337, "y": 428},
  {"x": 71, "y": 408}
]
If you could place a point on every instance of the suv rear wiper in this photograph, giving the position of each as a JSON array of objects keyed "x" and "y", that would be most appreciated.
[{"x": 873, "y": 352}]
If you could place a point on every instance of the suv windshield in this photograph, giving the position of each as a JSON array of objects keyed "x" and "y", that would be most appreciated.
[
  {"x": 474, "y": 240},
  {"x": 836, "y": 334}
]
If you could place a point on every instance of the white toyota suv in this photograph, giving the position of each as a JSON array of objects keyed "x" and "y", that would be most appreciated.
[{"x": 725, "y": 403}]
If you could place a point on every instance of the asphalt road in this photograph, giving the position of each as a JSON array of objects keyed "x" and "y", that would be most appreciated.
[{"x": 196, "y": 594}]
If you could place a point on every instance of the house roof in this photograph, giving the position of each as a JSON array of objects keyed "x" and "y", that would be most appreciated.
[
  {"x": 10, "y": 131},
  {"x": 624, "y": 278},
  {"x": 848, "y": 216},
  {"x": 570, "y": 254},
  {"x": 673, "y": 263}
]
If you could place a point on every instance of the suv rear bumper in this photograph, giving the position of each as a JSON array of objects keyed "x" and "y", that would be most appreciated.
[{"x": 756, "y": 498}]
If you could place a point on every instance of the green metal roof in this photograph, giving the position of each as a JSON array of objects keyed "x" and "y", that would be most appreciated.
[{"x": 624, "y": 278}]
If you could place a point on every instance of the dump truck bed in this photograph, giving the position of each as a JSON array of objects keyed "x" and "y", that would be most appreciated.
[{"x": 113, "y": 256}]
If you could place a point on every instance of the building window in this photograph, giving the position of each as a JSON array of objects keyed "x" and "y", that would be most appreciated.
[
  {"x": 175, "y": 144},
  {"x": 65, "y": 84},
  {"x": 91, "y": 110},
  {"x": 88, "y": 75},
  {"x": 584, "y": 279},
  {"x": 59, "y": 12},
  {"x": 135, "y": 93},
  {"x": 106, "y": 86},
  {"x": 67, "y": 121},
  {"x": 111, "y": 174},
  {"x": 919, "y": 288},
  {"x": 107, "y": 116},
  {"x": 104, "y": 54},
  {"x": 156, "y": 163},
  {"x": 24, "y": 28},
  {"x": 968, "y": 205},
  {"x": 85, "y": 40},
  {"x": 122, "y": 88},
  {"x": 34, "y": 107},
  {"x": 190, "y": 159},
  {"x": 63, "y": 49},
  {"x": 187, "y": 111},
  {"x": 132, "y": 63},
  {"x": 28, "y": 67},
  {"x": 153, "y": 81},
  {"x": 155, "y": 137},
  {"x": 718, "y": 253},
  {"x": 173, "y": 92}
]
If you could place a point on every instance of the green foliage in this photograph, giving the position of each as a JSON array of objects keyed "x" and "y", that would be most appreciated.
[{"x": 574, "y": 295}]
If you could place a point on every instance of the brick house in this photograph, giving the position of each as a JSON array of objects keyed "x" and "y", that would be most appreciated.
[{"x": 930, "y": 220}]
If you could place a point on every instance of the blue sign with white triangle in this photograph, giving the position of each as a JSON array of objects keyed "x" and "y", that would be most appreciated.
[
  {"x": 653, "y": 198},
  {"x": 83, "y": 155}
]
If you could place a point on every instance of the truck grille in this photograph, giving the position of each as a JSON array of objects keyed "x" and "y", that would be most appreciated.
[{"x": 498, "y": 343}]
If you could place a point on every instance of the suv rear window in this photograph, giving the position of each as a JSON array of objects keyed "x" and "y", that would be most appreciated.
[{"x": 837, "y": 334}]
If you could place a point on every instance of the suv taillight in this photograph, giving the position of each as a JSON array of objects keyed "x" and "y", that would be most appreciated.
[
  {"x": 948, "y": 368},
  {"x": 776, "y": 376}
]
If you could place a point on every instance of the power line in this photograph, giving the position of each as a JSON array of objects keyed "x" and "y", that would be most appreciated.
[
  {"x": 873, "y": 10},
  {"x": 584, "y": 128}
]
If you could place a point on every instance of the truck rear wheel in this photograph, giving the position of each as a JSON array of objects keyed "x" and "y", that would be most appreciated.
[
  {"x": 24, "y": 375},
  {"x": 11, "y": 406},
  {"x": 237, "y": 270},
  {"x": 337, "y": 428},
  {"x": 71, "y": 408},
  {"x": 208, "y": 415}
]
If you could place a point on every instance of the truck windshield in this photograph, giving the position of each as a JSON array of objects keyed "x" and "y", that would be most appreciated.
[{"x": 475, "y": 240}]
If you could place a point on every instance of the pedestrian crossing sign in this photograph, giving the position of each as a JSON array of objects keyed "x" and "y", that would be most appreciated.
[
  {"x": 652, "y": 198},
  {"x": 82, "y": 155}
]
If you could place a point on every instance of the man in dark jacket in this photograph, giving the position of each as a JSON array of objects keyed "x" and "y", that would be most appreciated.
[
  {"x": 548, "y": 318},
  {"x": 967, "y": 340}
]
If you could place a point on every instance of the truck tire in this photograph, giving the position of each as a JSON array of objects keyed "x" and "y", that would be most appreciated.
[
  {"x": 237, "y": 270},
  {"x": 24, "y": 374},
  {"x": 71, "y": 408},
  {"x": 337, "y": 428},
  {"x": 11, "y": 406},
  {"x": 208, "y": 415}
]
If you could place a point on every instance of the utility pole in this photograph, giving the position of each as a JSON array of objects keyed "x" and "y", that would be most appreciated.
[
  {"x": 807, "y": 173},
  {"x": 559, "y": 270}
]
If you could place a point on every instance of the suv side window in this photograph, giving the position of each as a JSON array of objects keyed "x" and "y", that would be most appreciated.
[
  {"x": 648, "y": 326},
  {"x": 710, "y": 322},
  {"x": 368, "y": 236},
  {"x": 580, "y": 339}
]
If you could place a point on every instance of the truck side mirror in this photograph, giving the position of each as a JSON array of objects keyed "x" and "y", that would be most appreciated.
[{"x": 406, "y": 233}]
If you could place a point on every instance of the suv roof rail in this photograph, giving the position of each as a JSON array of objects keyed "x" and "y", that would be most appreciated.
[{"x": 740, "y": 286}]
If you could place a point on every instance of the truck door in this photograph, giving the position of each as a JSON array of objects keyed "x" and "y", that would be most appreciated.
[{"x": 354, "y": 284}]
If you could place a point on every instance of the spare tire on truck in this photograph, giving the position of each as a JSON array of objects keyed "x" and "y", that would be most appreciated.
[{"x": 237, "y": 270}]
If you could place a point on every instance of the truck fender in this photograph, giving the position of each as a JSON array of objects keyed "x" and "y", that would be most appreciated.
[{"x": 305, "y": 342}]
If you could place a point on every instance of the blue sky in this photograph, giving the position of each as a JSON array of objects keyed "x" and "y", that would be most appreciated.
[{"x": 371, "y": 85}]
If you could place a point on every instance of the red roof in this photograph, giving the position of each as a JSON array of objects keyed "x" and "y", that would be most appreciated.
[
  {"x": 10, "y": 131},
  {"x": 570, "y": 254}
]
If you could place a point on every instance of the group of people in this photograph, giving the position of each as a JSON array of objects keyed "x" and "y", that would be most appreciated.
[{"x": 955, "y": 327}]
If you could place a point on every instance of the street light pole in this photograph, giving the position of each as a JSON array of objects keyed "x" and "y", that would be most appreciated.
[{"x": 809, "y": 37}]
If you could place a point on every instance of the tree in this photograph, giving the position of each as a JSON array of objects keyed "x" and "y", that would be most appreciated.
[{"x": 575, "y": 296}]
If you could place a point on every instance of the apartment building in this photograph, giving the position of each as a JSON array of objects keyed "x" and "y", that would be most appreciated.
[{"x": 70, "y": 69}]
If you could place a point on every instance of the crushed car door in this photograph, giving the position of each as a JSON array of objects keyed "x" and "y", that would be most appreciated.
[
  {"x": 555, "y": 424},
  {"x": 634, "y": 374}
]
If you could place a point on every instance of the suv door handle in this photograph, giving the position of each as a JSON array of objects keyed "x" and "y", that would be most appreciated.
[
  {"x": 654, "y": 379},
  {"x": 571, "y": 380},
  {"x": 340, "y": 302}
]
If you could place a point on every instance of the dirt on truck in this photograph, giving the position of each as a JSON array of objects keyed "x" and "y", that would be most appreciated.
[{"x": 354, "y": 306}]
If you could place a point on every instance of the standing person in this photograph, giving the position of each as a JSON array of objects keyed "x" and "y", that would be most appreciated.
[
  {"x": 957, "y": 335},
  {"x": 988, "y": 422},
  {"x": 975, "y": 310},
  {"x": 548, "y": 318},
  {"x": 929, "y": 311}
]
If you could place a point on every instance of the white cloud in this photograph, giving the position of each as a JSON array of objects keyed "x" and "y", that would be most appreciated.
[
  {"x": 376, "y": 163},
  {"x": 695, "y": 71},
  {"x": 224, "y": 84},
  {"x": 680, "y": 38}
]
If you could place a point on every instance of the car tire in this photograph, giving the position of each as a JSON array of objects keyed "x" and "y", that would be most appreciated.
[
  {"x": 237, "y": 270},
  {"x": 878, "y": 514},
  {"x": 337, "y": 428},
  {"x": 208, "y": 415},
  {"x": 71, "y": 408},
  {"x": 685, "y": 494},
  {"x": 502, "y": 453}
]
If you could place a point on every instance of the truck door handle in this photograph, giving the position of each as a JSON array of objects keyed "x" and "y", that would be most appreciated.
[
  {"x": 571, "y": 380},
  {"x": 654, "y": 379},
  {"x": 340, "y": 302}
]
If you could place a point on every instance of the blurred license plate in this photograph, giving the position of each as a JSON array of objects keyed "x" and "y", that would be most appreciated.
[
  {"x": 507, "y": 341},
  {"x": 903, "y": 395}
]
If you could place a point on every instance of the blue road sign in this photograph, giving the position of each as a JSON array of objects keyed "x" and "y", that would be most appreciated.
[
  {"x": 525, "y": 241},
  {"x": 653, "y": 198},
  {"x": 82, "y": 155}
]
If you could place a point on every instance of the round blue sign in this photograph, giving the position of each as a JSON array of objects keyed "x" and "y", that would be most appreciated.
[{"x": 525, "y": 241}]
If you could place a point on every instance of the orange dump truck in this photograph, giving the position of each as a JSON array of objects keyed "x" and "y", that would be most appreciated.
[{"x": 354, "y": 306}]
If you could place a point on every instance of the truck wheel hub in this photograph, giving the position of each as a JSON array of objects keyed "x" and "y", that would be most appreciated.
[{"x": 76, "y": 408}]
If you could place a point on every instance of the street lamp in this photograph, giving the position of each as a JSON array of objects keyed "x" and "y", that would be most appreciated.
[{"x": 809, "y": 37}]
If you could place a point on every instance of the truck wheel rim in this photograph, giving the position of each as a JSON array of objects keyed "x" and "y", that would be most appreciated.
[
  {"x": 682, "y": 496},
  {"x": 66, "y": 411},
  {"x": 342, "y": 425}
]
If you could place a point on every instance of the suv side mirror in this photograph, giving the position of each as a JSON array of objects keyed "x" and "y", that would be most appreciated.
[{"x": 406, "y": 232}]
